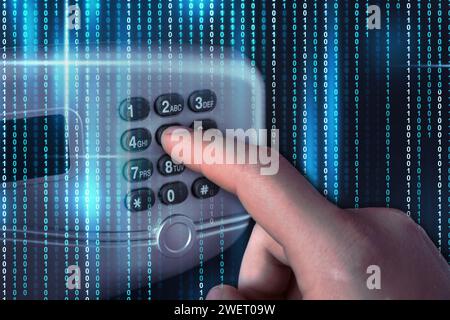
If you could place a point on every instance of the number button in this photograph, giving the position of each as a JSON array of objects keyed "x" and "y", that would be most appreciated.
[
  {"x": 161, "y": 129},
  {"x": 204, "y": 125},
  {"x": 140, "y": 200},
  {"x": 136, "y": 140},
  {"x": 202, "y": 101},
  {"x": 167, "y": 167},
  {"x": 173, "y": 193},
  {"x": 169, "y": 104},
  {"x": 202, "y": 188},
  {"x": 134, "y": 109},
  {"x": 138, "y": 170}
]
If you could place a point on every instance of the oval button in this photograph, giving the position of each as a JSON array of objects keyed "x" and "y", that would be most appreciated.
[
  {"x": 136, "y": 140},
  {"x": 167, "y": 167},
  {"x": 140, "y": 200},
  {"x": 176, "y": 236},
  {"x": 202, "y": 188},
  {"x": 138, "y": 170},
  {"x": 173, "y": 193},
  {"x": 134, "y": 109},
  {"x": 202, "y": 101},
  {"x": 169, "y": 104}
]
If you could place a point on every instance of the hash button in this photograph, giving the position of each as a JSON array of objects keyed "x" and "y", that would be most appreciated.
[{"x": 202, "y": 188}]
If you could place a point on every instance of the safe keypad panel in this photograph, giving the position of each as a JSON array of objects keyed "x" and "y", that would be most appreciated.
[
  {"x": 139, "y": 139},
  {"x": 114, "y": 192}
]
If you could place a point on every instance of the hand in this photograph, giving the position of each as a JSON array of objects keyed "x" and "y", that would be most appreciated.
[{"x": 305, "y": 247}]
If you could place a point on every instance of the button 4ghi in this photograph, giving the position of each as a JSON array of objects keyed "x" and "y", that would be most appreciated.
[{"x": 136, "y": 140}]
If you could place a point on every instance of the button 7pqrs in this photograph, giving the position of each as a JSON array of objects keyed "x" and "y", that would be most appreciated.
[{"x": 138, "y": 170}]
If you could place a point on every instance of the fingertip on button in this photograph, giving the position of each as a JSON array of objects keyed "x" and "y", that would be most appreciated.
[
  {"x": 160, "y": 132},
  {"x": 167, "y": 133}
]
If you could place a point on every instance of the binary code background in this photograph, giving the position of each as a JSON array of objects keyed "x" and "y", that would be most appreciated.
[{"x": 363, "y": 113}]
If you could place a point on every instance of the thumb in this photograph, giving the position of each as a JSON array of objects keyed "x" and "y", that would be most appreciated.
[{"x": 224, "y": 292}]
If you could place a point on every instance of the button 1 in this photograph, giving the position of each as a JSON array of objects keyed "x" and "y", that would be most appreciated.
[
  {"x": 169, "y": 104},
  {"x": 161, "y": 129},
  {"x": 138, "y": 170},
  {"x": 202, "y": 188},
  {"x": 167, "y": 167},
  {"x": 204, "y": 125},
  {"x": 140, "y": 200},
  {"x": 136, "y": 140},
  {"x": 202, "y": 101},
  {"x": 173, "y": 193},
  {"x": 134, "y": 109}
]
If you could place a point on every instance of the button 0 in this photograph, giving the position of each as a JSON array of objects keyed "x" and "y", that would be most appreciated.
[
  {"x": 136, "y": 140},
  {"x": 204, "y": 125},
  {"x": 202, "y": 101},
  {"x": 161, "y": 129},
  {"x": 167, "y": 167},
  {"x": 140, "y": 200},
  {"x": 138, "y": 170},
  {"x": 173, "y": 193},
  {"x": 169, "y": 104},
  {"x": 134, "y": 109},
  {"x": 202, "y": 188}
]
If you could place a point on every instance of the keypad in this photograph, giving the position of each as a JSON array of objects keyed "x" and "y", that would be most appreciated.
[
  {"x": 136, "y": 140},
  {"x": 167, "y": 167},
  {"x": 202, "y": 188},
  {"x": 139, "y": 139},
  {"x": 140, "y": 200},
  {"x": 173, "y": 193},
  {"x": 134, "y": 109},
  {"x": 202, "y": 101},
  {"x": 138, "y": 170},
  {"x": 169, "y": 105}
]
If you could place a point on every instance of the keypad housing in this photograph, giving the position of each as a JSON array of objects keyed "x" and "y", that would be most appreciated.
[{"x": 115, "y": 162}]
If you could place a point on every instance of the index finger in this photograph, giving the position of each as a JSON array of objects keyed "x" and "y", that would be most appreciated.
[{"x": 284, "y": 204}]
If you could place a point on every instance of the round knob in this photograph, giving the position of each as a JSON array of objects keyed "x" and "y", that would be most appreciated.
[{"x": 176, "y": 236}]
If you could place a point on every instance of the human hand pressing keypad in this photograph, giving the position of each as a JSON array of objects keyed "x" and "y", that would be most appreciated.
[{"x": 304, "y": 247}]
